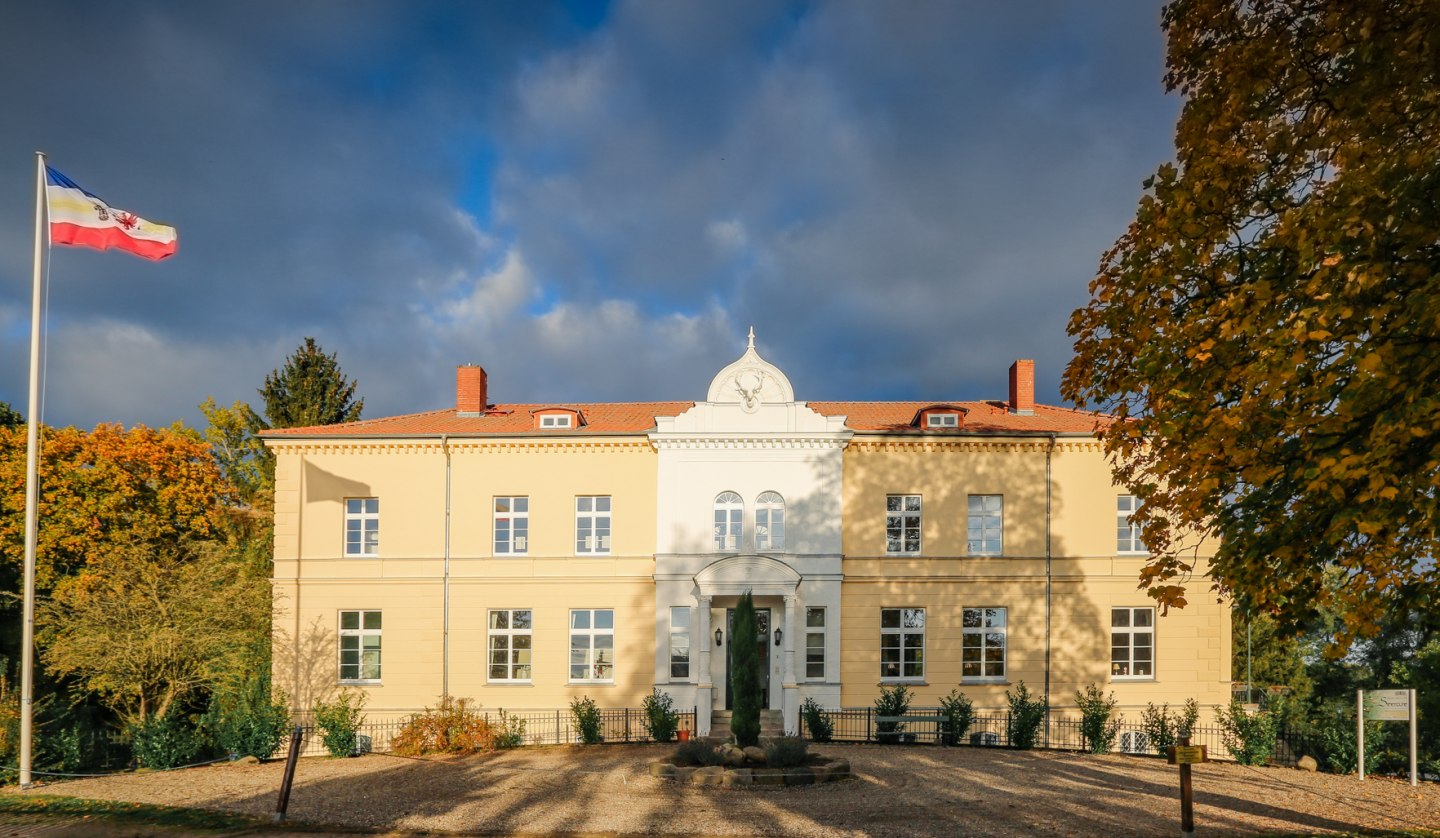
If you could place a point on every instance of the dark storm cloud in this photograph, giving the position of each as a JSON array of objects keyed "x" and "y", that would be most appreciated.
[{"x": 901, "y": 197}]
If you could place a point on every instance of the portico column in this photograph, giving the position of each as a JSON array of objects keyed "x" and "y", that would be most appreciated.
[
  {"x": 704, "y": 686},
  {"x": 790, "y": 696}
]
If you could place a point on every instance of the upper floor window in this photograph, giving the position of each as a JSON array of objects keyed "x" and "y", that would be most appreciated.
[
  {"x": 942, "y": 420},
  {"x": 1127, "y": 533},
  {"x": 902, "y": 523},
  {"x": 987, "y": 523},
  {"x": 982, "y": 644},
  {"x": 729, "y": 519},
  {"x": 556, "y": 420},
  {"x": 359, "y": 645},
  {"x": 592, "y": 525},
  {"x": 512, "y": 526},
  {"x": 362, "y": 526},
  {"x": 1132, "y": 643},
  {"x": 769, "y": 522}
]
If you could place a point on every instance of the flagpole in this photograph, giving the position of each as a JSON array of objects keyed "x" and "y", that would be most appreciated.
[{"x": 32, "y": 489}]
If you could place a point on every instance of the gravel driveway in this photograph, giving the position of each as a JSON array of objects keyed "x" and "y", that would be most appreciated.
[{"x": 898, "y": 791}]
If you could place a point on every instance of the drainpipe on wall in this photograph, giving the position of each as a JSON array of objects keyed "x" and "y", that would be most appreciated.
[
  {"x": 1048, "y": 452},
  {"x": 445, "y": 614}
]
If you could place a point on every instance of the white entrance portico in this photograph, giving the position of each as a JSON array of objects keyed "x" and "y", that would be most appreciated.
[{"x": 749, "y": 499}]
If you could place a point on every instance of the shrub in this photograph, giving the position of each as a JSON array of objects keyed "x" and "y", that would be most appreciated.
[
  {"x": 745, "y": 674},
  {"x": 786, "y": 752},
  {"x": 957, "y": 714},
  {"x": 661, "y": 720},
  {"x": 1335, "y": 736},
  {"x": 451, "y": 728},
  {"x": 252, "y": 722},
  {"x": 893, "y": 701},
  {"x": 697, "y": 752},
  {"x": 1096, "y": 726},
  {"x": 168, "y": 741},
  {"x": 509, "y": 731},
  {"x": 1026, "y": 715},
  {"x": 1163, "y": 729},
  {"x": 816, "y": 720},
  {"x": 1251, "y": 738},
  {"x": 339, "y": 722},
  {"x": 587, "y": 720}
]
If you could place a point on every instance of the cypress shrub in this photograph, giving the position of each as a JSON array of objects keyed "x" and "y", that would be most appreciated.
[{"x": 745, "y": 674}]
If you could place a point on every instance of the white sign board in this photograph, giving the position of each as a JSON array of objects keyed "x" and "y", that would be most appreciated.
[{"x": 1387, "y": 705}]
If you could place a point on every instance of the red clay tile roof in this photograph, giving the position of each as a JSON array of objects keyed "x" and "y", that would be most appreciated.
[{"x": 639, "y": 417}]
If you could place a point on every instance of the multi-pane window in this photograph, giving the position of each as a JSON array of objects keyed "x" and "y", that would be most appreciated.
[
  {"x": 1127, "y": 534},
  {"x": 362, "y": 526},
  {"x": 510, "y": 645},
  {"x": 592, "y": 525},
  {"x": 592, "y": 645},
  {"x": 359, "y": 645},
  {"x": 902, "y": 523},
  {"x": 769, "y": 521},
  {"x": 512, "y": 526},
  {"x": 982, "y": 644},
  {"x": 987, "y": 523},
  {"x": 902, "y": 643},
  {"x": 815, "y": 643},
  {"x": 555, "y": 420},
  {"x": 942, "y": 420},
  {"x": 729, "y": 520},
  {"x": 1132, "y": 643},
  {"x": 680, "y": 642}
]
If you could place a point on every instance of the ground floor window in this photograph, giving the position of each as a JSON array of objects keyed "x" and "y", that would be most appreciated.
[
  {"x": 1132, "y": 643},
  {"x": 680, "y": 642},
  {"x": 359, "y": 645},
  {"x": 815, "y": 644},
  {"x": 982, "y": 644},
  {"x": 592, "y": 645},
  {"x": 510, "y": 649},
  {"x": 902, "y": 643}
]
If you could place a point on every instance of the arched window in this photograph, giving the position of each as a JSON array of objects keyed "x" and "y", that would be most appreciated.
[
  {"x": 769, "y": 522},
  {"x": 729, "y": 520}
]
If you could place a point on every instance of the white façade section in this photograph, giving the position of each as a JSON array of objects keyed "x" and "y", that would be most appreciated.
[{"x": 750, "y": 437}]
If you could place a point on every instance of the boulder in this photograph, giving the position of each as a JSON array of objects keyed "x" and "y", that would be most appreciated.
[
  {"x": 839, "y": 769},
  {"x": 801, "y": 776},
  {"x": 248, "y": 759},
  {"x": 684, "y": 773},
  {"x": 710, "y": 775},
  {"x": 737, "y": 777},
  {"x": 733, "y": 756},
  {"x": 822, "y": 772},
  {"x": 755, "y": 754},
  {"x": 768, "y": 776},
  {"x": 663, "y": 770},
  {"x": 1308, "y": 763}
]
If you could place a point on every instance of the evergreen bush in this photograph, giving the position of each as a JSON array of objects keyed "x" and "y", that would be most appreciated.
[
  {"x": 168, "y": 741},
  {"x": 893, "y": 701},
  {"x": 339, "y": 722},
  {"x": 786, "y": 752},
  {"x": 1027, "y": 713},
  {"x": 958, "y": 713},
  {"x": 1163, "y": 728},
  {"x": 745, "y": 674},
  {"x": 1096, "y": 726},
  {"x": 250, "y": 722},
  {"x": 587, "y": 720},
  {"x": 661, "y": 720},
  {"x": 1250, "y": 737},
  {"x": 817, "y": 722},
  {"x": 510, "y": 731},
  {"x": 697, "y": 752}
]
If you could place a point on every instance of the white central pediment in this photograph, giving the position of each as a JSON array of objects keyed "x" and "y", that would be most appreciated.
[
  {"x": 759, "y": 575},
  {"x": 750, "y": 382}
]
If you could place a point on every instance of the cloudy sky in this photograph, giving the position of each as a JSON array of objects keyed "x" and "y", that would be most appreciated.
[{"x": 593, "y": 201}]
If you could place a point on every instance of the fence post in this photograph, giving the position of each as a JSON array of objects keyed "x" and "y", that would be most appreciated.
[
  {"x": 283, "y": 803},
  {"x": 627, "y": 725},
  {"x": 558, "y": 740},
  {"x": 868, "y": 727}
]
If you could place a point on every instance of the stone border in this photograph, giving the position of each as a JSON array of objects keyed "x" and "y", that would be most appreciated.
[{"x": 719, "y": 775}]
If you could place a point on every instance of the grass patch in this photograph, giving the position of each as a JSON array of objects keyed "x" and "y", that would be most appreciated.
[{"x": 57, "y": 806}]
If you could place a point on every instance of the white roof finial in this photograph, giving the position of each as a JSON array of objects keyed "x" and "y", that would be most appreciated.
[{"x": 752, "y": 338}]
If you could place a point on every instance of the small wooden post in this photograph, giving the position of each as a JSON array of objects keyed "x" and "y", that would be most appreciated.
[
  {"x": 1187, "y": 796},
  {"x": 296, "y": 736}
]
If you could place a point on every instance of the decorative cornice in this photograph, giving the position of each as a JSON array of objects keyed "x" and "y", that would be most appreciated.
[
  {"x": 549, "y": 446},
  {"x": 1021, "y": 446},
  {"x": 676, "y": 442}
]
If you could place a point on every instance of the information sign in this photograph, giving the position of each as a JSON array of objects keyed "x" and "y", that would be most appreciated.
[
  {"x": 1188, "y": 755},
  {"x": 1387, "y": 705}
]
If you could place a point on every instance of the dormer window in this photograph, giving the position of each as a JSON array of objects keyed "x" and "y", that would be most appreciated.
[
  {"x": 939, "y": 417},
  {"x": 556, "y": 420},
  {"x": 942, "y": 420}
]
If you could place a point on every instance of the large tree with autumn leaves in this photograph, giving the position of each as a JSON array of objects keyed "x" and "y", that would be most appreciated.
[{"x": 1269, "y": 326}]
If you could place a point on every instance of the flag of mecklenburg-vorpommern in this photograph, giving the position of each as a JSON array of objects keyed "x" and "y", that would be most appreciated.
[{"x": 82, "y": 219}]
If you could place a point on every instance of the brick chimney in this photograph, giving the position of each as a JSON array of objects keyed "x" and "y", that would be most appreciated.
[
  {"x": 470, "y": 394},
  {"x": 1022, "y": 387}
]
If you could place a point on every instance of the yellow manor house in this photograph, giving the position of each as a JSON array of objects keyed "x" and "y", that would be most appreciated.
[{"x": 523, "y": 555}]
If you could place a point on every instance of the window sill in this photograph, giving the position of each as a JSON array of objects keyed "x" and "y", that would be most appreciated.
[
  {"x": 984, "y": 682},
  {"x": 360, "y": 682},
  {"x": 909, "y": 682},
  {"x": 1123, "y": 679},
  {"x": 589, "y": 683},
  {"x": 509, "y": 683}
]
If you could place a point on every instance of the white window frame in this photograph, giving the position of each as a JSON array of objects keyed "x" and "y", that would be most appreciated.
[
  {"x": 1130, "y": 542},
  {"x": 1132, "y": 631},
  {"x": 556, "y": 421},
  {"x": 517, "y": 525},
  {"x": 813, "y": 632},
  {"x": 680, "y": 638},
  {"x": 770, "y": 521},
  {"x": 360, "y": 632},
  {"x": 985, "y": 521},
  {"x": 729, "y": 522},
  {"x": 593, "y": 656},
  {"x": 592, "y": 539},
  {"x": 942, "y": 420},
  {"x": 980, "y": 638},
  {"x": 902, "y": 512},
  {"x": 512, "y": 659},
  {"x": 906, "y": 642},
  {"x": 365, "y": 513}
]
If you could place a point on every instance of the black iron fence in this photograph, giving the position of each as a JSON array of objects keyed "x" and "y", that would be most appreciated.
[{"x": 924, "y": 725}]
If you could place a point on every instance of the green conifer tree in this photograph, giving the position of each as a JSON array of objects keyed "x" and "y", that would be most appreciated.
[{"x": 745, "y": 674}]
